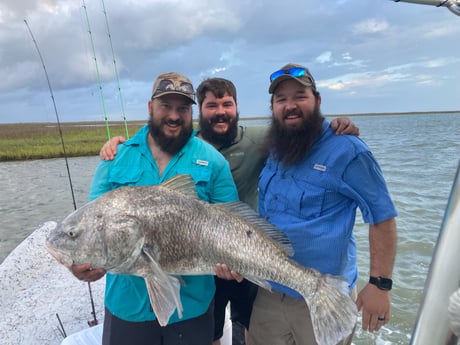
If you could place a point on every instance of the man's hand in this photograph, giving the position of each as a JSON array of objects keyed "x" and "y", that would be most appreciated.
[
  {"x": 376, "y": 307},
  {"x": 109, "y": 150},
  {"x": 343, "y": 125},
  {"x": 223, "y": 272},
  {"x": 86, "y": 273}
]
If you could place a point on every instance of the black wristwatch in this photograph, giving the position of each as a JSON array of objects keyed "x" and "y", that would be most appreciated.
[{"x": 381, "y": 282}]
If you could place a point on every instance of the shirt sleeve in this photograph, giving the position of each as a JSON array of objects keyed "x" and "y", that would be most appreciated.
[
  {"x": 365, "y": 177},
  {"x": 100, "y": 183}
]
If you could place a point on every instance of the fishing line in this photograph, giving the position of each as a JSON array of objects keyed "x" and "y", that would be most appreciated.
[
  {"x": 116, "y": 70},
  {"x": 97, "y": 71},
  {"x": 57, "y": 116},
  {"x": 93, "y": 312},
  {"x": 61, "y": 329}
]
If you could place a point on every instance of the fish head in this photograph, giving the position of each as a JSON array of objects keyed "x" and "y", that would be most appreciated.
[{"x": 97, "y": 234}]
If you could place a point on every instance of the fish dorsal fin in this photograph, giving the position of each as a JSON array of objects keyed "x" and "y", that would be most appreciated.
[
  {"x": 182, "y": 183},
  {"x": 245, "y": 211}
]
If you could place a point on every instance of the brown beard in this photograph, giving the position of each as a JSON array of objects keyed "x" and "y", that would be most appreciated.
[
  {"x": 167, "y": 144},
  {"x": 219, "y": 139},
  {"x": 291, "y": 145}
]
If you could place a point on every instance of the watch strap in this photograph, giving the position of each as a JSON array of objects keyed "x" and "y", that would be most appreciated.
[{"x": 381, "y": 282}]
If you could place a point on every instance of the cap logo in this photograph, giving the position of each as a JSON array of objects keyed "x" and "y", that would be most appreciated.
[
  {"x": 168, "y": 85},
  {"x": 173, "y": 83}
]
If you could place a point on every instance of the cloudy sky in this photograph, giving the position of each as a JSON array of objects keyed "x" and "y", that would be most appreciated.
[{"x": 366, "y": 55}]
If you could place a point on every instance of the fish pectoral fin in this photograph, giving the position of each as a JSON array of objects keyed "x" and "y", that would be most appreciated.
[
  {"x": 164, "y": 297},
  {"x": 164, "y": 291},
  {"x": 179, "y": 279}
]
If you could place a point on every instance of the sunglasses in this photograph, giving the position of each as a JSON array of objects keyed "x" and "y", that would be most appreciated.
[
  {"x": 294, "y": 72},
  {"x": 168, "y": 85}
]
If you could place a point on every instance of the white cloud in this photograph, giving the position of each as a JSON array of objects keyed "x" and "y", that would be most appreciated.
[
  {"x": 346, "y": 56},
  {"x": 324, "y": 57},
  {"x": 370, "y": 26}
]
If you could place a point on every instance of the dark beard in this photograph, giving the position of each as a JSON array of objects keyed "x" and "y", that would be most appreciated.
[
  {"x": 290, "y": 145},
  {"x": 219, "y": 139},
  {"x": 169, "y": 145}
]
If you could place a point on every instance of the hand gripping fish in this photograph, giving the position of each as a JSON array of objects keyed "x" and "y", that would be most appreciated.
[{"x": 160, "y": 232}]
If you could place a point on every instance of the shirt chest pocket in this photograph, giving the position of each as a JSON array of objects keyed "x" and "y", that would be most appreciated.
[
  {"x": 125, "y": 176},
  {"x": 202, "y": 176},
  {"x": 311, "y": 200},
  {"x": 292, "y": 196}
]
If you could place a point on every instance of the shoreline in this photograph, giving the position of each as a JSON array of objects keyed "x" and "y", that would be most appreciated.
[
  {"x": 45, "y": 140},
  {"x": 144, "y": 121}
]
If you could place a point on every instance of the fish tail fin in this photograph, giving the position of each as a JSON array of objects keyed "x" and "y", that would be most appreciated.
[{"x": 333, "y": 312}]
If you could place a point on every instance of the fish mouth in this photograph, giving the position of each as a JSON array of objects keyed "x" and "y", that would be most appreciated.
[{"x": 61, "y": 257}]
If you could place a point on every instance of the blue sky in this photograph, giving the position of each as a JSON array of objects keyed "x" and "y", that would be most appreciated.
[{"x": 367, "y": 56}]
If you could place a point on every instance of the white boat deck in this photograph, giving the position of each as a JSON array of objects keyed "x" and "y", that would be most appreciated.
[{"x": 34, "y": 287}]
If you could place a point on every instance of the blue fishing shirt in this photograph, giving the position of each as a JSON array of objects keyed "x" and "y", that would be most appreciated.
[
  {"x": 314, "y": 202},
  {"x": 126, "y": 295}
]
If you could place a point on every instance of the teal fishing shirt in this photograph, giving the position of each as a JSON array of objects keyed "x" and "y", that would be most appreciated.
[{"x": 126, "y": 295}]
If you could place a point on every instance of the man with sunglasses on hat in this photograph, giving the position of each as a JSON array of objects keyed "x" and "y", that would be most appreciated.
[
  {"x": 159, "y": 151},
  {"x": 310, "y": 187},
  {"x": 244, "y": 149}
]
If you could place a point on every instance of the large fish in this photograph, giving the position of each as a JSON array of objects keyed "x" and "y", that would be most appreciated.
[{"x": 162, "y": 231}]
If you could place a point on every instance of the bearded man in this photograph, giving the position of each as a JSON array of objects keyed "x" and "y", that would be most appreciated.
[
  {"x": 159, "y": 151},
  {"x": 309, "y": 188}
]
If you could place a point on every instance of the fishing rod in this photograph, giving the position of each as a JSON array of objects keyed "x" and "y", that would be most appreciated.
[
  {"x": 97, "y": 71},
  {"x": 56, "y": 112},
  {"x": 93, "y": 312},
  {"x": 116, "y": 70}
]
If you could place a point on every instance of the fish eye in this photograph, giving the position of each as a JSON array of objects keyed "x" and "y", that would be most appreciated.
[{"x": 73, "y": 232}]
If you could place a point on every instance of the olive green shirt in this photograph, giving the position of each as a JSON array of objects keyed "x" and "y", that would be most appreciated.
[{"x": 247, "y": 157}]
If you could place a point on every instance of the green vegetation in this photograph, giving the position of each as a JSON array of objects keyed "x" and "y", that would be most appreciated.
[{"x": 23, "y": 141}]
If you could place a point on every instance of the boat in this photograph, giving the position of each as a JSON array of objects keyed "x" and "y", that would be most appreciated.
[
  {"x": 452, "y": 5},
  {"x": 433, "y": 325}
]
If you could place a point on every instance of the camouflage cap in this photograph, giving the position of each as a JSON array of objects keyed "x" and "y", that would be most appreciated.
[
  {"x": 291, "y": 71},
  {"x": 173, "y": 83}
]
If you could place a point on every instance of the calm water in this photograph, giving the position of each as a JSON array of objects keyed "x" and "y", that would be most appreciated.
[{"x": 418, "y": 154}]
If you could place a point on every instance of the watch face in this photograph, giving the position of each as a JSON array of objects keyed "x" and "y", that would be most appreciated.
[{"x": 385, "y": 283}]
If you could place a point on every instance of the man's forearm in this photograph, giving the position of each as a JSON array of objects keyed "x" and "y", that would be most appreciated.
[{"x": 382, "y": 243}]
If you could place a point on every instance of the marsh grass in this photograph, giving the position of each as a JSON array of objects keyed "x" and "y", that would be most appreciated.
[{"x": 23, "y": 141}]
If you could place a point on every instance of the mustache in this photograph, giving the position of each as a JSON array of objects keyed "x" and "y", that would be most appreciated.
[
  {"x": 292, "y": 112},
  {"x": 220, "y": 118},
  {"x": 170, "y": 122}
]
